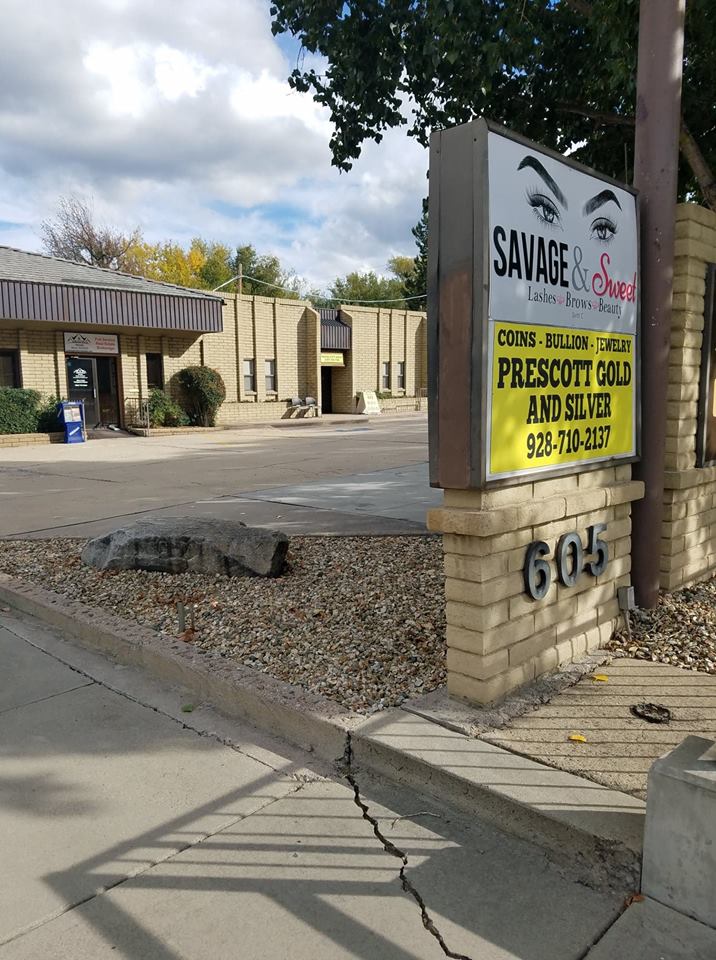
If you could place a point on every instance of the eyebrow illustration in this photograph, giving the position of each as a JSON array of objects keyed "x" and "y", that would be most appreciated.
[
  {"x": 533, "y": 162},
  {"x": 599, "y": 200}
]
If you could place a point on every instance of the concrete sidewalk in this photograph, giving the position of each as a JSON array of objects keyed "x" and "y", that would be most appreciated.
[{"x": 135, "y": 830}]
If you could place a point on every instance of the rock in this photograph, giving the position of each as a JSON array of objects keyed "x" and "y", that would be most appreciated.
[{"x": 190, "y": 545}]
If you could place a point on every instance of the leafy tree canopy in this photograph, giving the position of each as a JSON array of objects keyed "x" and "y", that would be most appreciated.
[
  {"x": 74, "y": 234},
  {"x": 562, "y": 72},
  {"x": 367, "y": 287}
]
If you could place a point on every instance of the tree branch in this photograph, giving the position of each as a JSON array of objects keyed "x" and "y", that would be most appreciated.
[
  {"x": 688, "y": 147},
  {"x": 609, "y": 119},
  {"x": 581, "y": 6},
  {"x": 704, "y": 176}
]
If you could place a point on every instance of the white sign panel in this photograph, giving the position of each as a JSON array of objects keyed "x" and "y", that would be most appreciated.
[
  {"x": 563, "y": 244},
  {"x": 562, "y": 319},
  {"x": 101, "y": 343}
]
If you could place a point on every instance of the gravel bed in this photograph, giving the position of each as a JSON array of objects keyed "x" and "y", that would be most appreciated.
[
  {"x": 358, "y": 619},
  {"x": 680, "y": 630}
]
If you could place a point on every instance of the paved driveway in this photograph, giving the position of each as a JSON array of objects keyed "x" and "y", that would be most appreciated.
[{"x": 327, "y": 478}]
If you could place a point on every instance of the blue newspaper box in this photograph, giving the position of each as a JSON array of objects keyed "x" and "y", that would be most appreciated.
[{"x": 72, "y": 415}]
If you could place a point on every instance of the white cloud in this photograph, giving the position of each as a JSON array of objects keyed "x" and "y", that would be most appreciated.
[{"x": 177, "y": 117}]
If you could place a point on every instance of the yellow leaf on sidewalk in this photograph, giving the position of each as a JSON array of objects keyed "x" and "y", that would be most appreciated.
[
  {"x": 577, "y": 737},
  {"x": 601, "y": 677}
]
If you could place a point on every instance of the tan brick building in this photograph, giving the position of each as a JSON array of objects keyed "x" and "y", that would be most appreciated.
[
  {"x": 81, "y": 332},
  {"x": 689, "y": 526}
]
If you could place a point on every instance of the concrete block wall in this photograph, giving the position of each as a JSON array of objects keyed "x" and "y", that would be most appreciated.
[
  {"x": 256, "y": 328},
  {"x": 381, "y": 336},
  {"x": 688, "y": 550},
  {"x": 498, "y": 637}
]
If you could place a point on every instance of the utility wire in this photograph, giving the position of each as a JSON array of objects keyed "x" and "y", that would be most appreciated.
[{"x": 277, "y": 286}]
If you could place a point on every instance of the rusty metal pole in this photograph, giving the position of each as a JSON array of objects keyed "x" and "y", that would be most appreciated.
[{"x": 656, "y": 156}]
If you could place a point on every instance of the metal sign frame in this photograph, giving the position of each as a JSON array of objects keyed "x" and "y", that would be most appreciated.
[{"x": 458, "y": 305}]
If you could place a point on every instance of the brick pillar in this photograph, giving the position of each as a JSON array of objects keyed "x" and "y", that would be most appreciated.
[
  {"x": 498, "y": 637},
  {"x": 61, "y": 384}
]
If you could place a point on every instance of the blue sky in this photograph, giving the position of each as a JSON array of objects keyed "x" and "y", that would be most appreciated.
[{"x": 176, "y": 117}]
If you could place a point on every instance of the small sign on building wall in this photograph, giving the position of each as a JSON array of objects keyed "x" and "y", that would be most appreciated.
[
  {"x": 334, "y": 358},
  {"x": 100, "y": 343},
  {"x": 532, "y": 310}
]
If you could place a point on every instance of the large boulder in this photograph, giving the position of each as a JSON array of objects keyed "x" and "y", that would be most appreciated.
[{"x": 190, "y": 545}]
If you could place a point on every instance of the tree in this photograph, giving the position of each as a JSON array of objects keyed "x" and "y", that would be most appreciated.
[
  {"x": 357, "y": 287},
  {"x": 560, "y": 71},
  {"x": 74, "y": 235},
  {"x": 416, "y": 284},
  {"x": 265, "y": 277}
]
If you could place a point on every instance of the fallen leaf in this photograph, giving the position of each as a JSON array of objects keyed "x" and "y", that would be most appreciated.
[
  {"x": 600, "y": 677},
  {"x": 633, "y": 898},
  {"x": 187, "y": 708},
  {"x": 188, "y": 635},
  {"x": 577, "y": 737}
]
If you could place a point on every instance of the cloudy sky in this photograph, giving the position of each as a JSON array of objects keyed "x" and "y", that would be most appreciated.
[{"x": 176, "y": 117}]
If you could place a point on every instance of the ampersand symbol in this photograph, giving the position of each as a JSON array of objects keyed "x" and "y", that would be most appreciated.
[{"x": 580, "y": 277}]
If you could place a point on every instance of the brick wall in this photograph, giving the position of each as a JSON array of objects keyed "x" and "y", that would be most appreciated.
[
  {"x": 381, "y": 336},
  {"x": 498, "y": 637},
  {"x": 255, "y": 328},
  {"x": 689, "y": 521}
]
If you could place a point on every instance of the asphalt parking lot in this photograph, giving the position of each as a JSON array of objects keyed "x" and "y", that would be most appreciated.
[{"x": 328, "y": 478}]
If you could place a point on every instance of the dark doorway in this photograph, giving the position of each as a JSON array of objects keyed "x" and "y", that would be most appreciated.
[
  {"x": 94, "y": 381},
  {"x": 326, "y": 390}
]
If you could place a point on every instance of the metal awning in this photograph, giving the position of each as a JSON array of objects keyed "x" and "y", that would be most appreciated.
[
  {"x": 20, "y": 300},
  {"x": 335, "y": 334},
  {"x": 37, "y": 287}
]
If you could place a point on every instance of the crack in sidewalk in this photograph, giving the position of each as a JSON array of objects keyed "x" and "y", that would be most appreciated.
[{"x": 345, "y": 764}]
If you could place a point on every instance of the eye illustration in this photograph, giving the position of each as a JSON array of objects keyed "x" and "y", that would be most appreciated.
[
  {"x": 544, "y": 209},
  {"x": 603, "y": 229}
]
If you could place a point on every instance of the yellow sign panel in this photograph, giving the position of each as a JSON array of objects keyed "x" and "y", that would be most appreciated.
[
  {"x": 333, "y": 359},
  {"x": 558, "y": 397}
]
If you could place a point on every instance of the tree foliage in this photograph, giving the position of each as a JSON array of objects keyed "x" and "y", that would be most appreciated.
[
  {"x": 368, "y": 287},
  {"x": 74, "y": 235},
  {"x": 562, "y": 72}
]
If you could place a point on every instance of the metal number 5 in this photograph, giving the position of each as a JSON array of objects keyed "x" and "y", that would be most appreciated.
[
  {"x": 538, "y": 575},
  {"x": 600, "y": 547}
]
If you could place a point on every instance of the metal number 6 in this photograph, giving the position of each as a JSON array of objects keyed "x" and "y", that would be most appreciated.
[{"x": 538, "y": 575}]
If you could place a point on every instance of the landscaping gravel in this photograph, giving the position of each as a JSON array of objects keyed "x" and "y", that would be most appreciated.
[
  {"x": 357, "y": 619},
  {"x": 680, "y": 630}
]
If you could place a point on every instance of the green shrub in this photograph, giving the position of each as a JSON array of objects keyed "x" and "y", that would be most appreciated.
[
  {"x": 18, "y": 410},
  {"x": 164, "y": 412},
  {"x": 203, "y": 393},
  {"x": 47, "y": 419}
]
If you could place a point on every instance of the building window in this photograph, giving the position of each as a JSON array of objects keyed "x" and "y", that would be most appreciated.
[
  {"x": 9, "y": 368},
  {"x": 401, "y": 375},
  {"x": 155, "y": 371},
  {"x": 270, "y": 371},
  {"x": 249, "y": 376},
  {"x": 385, "y": 377},
  {"x": 706, "y": 429}
]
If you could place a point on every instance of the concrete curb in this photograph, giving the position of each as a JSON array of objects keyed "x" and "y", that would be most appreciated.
[
  {"x": 313, "y": 723},
  {"x": 578, "y": 821}
]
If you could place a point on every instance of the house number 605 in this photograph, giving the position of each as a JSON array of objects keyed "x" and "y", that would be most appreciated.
[{"x": 569, "y": 558}]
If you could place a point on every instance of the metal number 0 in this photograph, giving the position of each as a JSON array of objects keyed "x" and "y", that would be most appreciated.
[{"x": 569, "y": 543}]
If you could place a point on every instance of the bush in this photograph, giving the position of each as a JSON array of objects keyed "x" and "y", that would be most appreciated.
[
  {"x": 18, "y": 410},
  {"x": 203, "y": 392},
  {"x": 164, "y": 412},
  {"x": 47, "y": 419}
]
